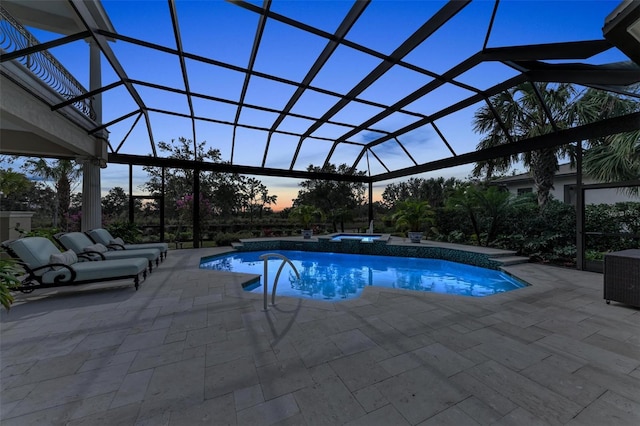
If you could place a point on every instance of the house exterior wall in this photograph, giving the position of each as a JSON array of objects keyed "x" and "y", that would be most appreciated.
[{"x": 564, "y": 191}]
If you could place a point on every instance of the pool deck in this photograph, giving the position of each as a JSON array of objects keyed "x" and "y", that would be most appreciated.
[{"x": 191, "y": 347}]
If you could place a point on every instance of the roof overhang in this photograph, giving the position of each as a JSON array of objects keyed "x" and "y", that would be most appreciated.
[
  {"x": 622, "y": 29},
  {"x": 56, "y": 16}
]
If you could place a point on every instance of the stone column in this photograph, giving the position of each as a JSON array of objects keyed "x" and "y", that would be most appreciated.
[
  {"x": 95, "y": 79},
  {"x": 91, "y": 191},
  {"x": 91, "y": 195}
]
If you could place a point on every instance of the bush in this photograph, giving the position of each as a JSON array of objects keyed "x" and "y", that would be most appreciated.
[
  {"x": 43, "y": 232},
  {"x": 620, "y": 218},
  {"x": 129, "y": 232},
  {"x": 547, "y": 235},
  {"x": 452, "y": 226},
  {"x": 594, "y": 255},
  {"x": 9, "y": 271},
  {"x": 226, "y": 238}
]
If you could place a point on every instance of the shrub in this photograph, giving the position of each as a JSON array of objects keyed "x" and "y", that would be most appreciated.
[
  {"x": 547, "y": 235},
  {"x": 226, "y": 238},
  {"x": 43, "y": 232},
  {"x": 9, "y": 272},
  {"x": 129, "y": 232},
  {"x": 620, "y": 218}
]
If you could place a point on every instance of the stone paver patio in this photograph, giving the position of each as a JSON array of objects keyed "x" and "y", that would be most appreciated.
[{"x": 191, "y": 347}]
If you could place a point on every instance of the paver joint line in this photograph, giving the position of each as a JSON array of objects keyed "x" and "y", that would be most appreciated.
[{"x": 190, "y": 346}]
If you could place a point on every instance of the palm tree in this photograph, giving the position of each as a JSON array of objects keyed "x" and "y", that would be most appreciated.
[
  {"x": 613, "y": 158},
  {"x": 523, "y": 115},
  {"x": 63, "y": 173},
  {"x": 305, "y": 214},
  {"x": 414, "y": 216},
  {"x": 485, "y": 207},
  {"x": 616, "y": 157}
]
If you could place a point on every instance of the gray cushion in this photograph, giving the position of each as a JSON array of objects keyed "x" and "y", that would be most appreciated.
[
  {"x": 101, "y": 235},
  {"x": 100, "y": 248},
  {"x": 76, "y": 241},
  {"x": 96, "y": 271},
  {"x": 34, "y": 251},
  {"x": 117, "y": 240},
  {"x": 150, "y": 254},
  {"x": 68, "y": 257},
  {"x": 163, "y": 247}
]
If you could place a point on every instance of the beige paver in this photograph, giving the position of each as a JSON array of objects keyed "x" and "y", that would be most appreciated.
[{"x": 190, "y": 346}]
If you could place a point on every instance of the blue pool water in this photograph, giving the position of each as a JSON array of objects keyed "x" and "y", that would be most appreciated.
[
  {"x": 335, "y": 276},
  {"x": 360, "y": 237}
]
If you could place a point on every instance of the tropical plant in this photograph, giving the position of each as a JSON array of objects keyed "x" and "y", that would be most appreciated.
[
  {"x": 612, "y": 227},
  {"x": 464, "y": 199},
  {"x": 613, "y": 158},
  {"x": 64, "y": 174},
  {"x": 9, "y": 272},
  {"x": 305, "y": 214},
  {"x": 547, "y": 235},
  {"x": 128, "y": 231},
  {"x": 43, "y": 232},
  {"x": 413, "y": 215},
  {"x": 616, "y": 158},
  {"x": 486, "y": 208},
  {"x": 522, "y": 114}
]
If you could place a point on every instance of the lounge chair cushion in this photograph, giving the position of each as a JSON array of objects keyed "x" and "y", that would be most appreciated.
[
  {"x": 163, "y": 247},
  {"x": 100, "y": 248},
  {"x": 81, "y": 243},
  {"x": 117, "y": 240},
  {"x": 35, "y": 251},
  {"x": 151, "y": 254},
  {"x": 96, "y": 271},
  {"x": 101, "y": 235},
  {"x": 68, "y": 257}
]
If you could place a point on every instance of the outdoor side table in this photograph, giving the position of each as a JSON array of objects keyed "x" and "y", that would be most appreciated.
[{"x": 622, "y": 277}]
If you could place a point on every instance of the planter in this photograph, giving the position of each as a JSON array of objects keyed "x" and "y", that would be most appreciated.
[
  {"x": 11, "y": 221},
  {"x": 307, "y": 233},
  {"x": 415, "y": 237}
]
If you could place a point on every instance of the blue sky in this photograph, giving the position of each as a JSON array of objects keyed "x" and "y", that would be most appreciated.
[{"x": 225, "y": 32}]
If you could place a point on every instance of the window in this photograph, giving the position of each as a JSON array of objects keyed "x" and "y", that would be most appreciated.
[{"x": 570, "y": 194}]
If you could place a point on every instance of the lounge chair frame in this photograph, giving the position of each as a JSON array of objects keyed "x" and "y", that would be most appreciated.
[
  {"x": 32, "y": 281},
  {"x": 116, "y": 246},
  {"x": 91, "y": 255}
]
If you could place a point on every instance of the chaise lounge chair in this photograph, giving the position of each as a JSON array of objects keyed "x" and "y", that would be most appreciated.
[
  {"x": 82, "y": 245},
  {"x": 46, "y": 266},
  {"x": 102, "y": 236}
]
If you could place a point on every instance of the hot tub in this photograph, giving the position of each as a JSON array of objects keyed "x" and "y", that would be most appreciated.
[{"x": 366, "y": 238}]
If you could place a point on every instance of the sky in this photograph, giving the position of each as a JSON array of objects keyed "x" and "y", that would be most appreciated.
[{"x": 225, "y": 32}]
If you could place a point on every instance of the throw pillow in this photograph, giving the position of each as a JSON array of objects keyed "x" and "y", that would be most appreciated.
[
  {"x": 117, "y": 241},
  {"x": 100, "y": 248},
  {"x": 68, "y": 257}
]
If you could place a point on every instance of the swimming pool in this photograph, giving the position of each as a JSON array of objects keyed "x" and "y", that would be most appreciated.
[{"x": 335, "y": 276}]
